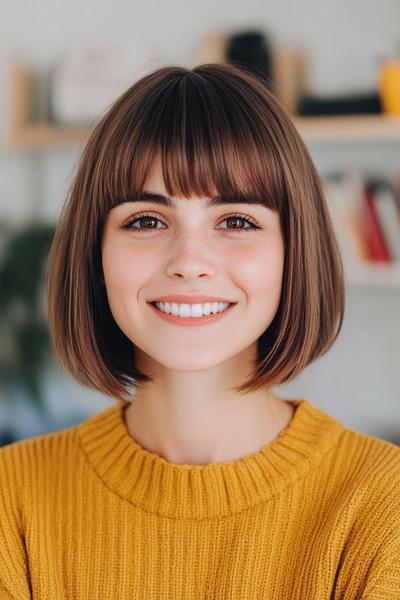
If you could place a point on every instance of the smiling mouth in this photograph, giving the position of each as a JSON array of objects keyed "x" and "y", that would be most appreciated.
[{"x": 190, "y": 317}]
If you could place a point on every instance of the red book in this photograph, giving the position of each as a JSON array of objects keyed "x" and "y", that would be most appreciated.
[
  {"x": 386, "y": 207},
  {"x": 375, "y": 240}
]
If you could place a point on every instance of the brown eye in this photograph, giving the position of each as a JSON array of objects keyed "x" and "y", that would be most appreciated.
[
  {"x": 147, "y": 222},
  {"x": 235, "y": 222}
]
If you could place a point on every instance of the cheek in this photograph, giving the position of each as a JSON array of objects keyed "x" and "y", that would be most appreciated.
[
  {"x": 125, "y": 273},
  {"x": 259, "y": 268},
  {"x": 124, "y": 268}
]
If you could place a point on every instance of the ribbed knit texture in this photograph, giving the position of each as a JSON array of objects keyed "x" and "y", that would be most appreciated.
[{"x": 87, "y": 513}]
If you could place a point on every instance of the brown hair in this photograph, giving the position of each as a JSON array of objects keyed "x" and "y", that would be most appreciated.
[{"x": 214, "y": 126}]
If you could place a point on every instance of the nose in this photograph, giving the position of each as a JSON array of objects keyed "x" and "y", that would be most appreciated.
[{"x": 190, "y": 260}]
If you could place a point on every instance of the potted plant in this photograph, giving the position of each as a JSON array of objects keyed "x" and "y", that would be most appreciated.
[{"x": 25, "y": 343}]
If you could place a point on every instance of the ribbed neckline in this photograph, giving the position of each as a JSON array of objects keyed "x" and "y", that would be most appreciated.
[{"x": 181, "y": 491}]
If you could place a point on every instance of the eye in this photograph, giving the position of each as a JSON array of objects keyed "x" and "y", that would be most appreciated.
[
  {"x": 148, "y": 218},
  {"x": 141, "y": 218},
  {"x": 241, "y": 218}
]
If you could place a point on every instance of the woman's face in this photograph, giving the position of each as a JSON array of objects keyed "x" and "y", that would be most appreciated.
[{"x": 191, "y": 248}]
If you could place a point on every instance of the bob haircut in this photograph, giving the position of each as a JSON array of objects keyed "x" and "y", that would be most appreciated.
[{"x": 216, "y": 126}]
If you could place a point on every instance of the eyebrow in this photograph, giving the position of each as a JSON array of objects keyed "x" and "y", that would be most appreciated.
[{"x": 213, "y": 201}]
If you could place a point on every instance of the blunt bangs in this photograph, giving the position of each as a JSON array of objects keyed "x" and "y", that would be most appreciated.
[{"x": 207, "y": 141}]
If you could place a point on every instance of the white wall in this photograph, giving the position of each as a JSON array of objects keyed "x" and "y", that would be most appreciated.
[{"x": 359, "y": 380}]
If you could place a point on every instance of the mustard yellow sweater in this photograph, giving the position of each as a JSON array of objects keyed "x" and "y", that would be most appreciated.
[{"x": 87, "y": 513}]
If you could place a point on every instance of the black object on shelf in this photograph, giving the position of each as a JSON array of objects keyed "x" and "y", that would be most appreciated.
[
  {"x": 359, "y": 104},
  {"x": 252, "y": 49}
]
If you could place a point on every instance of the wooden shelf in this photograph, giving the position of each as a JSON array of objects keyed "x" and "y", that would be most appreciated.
[
  {"x": 44, "y": 135},
  {"x": 351, "y": 128},
  {"x": 23, "y": 133}
]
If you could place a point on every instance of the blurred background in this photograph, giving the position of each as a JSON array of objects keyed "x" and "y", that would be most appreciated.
[{"x": 335, "y": 66}]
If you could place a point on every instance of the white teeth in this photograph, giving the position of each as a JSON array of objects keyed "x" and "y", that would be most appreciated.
[{"x": 191, "y": 310}]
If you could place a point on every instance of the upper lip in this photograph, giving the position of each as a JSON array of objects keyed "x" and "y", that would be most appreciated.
[{"x": 190, "y": 299}]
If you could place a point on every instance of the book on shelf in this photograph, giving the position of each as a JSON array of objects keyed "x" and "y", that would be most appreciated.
[
  {"x": 385, "y": 211},
  {"x": 344, "y": 202},
  {"x": 365, "y": 211},
  {"x": 372, "y": 227}
]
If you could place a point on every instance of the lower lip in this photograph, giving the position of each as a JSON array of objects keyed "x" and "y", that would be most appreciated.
[{"x": 191, "y": 321}]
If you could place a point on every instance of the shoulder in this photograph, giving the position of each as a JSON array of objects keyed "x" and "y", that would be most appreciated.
[
  {"x": 51, "y": 440},
  {"x": 369, "y": 482},
  {"x": 352, "y": 460},
  {"x": 23, "y": 460},
  {"x": 49, "y": 458},
  {"x": 371, "y": 458},
  {"x": 361, "y": 476},
  {"x": 355, "y": 460}
]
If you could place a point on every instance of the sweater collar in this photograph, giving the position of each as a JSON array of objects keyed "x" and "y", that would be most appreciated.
[{"x": 180, "y": 491}]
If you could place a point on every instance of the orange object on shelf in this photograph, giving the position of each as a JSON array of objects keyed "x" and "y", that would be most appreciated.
[{"x": 389, "y": 86}]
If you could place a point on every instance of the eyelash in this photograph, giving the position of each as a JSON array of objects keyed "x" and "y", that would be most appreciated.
[{"x": 253, "y": 226}]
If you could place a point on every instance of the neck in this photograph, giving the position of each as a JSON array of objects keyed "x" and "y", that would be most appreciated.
[{"x": 203, "y": 427}]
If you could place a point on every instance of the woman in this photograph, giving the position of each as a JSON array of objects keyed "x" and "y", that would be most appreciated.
[{"x": 193, "y": 268}]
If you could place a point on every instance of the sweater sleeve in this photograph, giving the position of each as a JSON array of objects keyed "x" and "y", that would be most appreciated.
[
  {"x": 383, "y": 582},
  {"x": 14, "y": 577},
  {"x": 370, "y": 559}
]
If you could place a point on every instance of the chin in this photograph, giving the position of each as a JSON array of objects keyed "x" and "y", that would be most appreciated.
[{"x": 190, "y": 364}]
